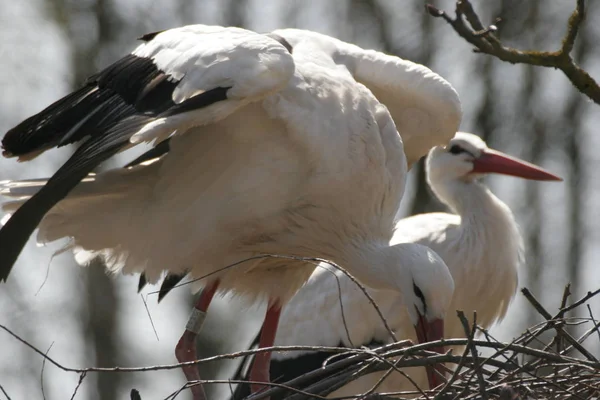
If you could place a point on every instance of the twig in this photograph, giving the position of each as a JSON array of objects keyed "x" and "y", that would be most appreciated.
[
  {"x": 4, "y": 393},
  {"x": 392, "y": 350},
  {"x": 342, "y": 311},
  {"x": 150, "y": 317},
  {"x": 393, "y": 368},
  {"x": 563, "y": 303},
  {"x": 579, "y": 302},
  {"x": 536, "y": 304},
  {"x": 179, "y": 365},
  {"x": 259, "y": 395},
  {"x": 81, "y": 378},
  {"x": 365, "y": 292},
  {"x": 471, "y": 335},
  {"x": 594, "y": 321},
  {"x": 486, "y": 42},
  {"x": 42, "y": 371}
]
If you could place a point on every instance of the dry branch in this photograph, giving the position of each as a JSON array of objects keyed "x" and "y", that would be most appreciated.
[{"x": 485, "y": 41}]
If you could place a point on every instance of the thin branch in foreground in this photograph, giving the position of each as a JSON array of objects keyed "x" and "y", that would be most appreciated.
[
  {"x": 42, "y": 372},
  {"x": 486, "y": 42},
  {"x": 4, "y": 393},
  {"x": 594, "y": 321},
  {"x": 470, "y": 333},
  {"x": 81, "y": 378}
]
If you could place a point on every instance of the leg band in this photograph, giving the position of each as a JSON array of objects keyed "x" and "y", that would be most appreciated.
[{"x": 195, "y": 321}]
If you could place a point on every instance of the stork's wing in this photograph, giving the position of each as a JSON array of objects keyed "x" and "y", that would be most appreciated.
[{"x": 178, "y": 78}]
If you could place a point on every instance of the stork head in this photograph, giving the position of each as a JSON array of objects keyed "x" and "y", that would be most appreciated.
[
  {"x": 467, "y": 156},
  {"x": 427, "y": 290}
]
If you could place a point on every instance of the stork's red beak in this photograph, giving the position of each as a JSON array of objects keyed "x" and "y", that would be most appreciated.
[
  {"x": 493, "y": 161},
  {"x": 429, "y": 331}
]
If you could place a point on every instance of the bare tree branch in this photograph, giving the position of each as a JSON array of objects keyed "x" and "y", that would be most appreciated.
[
  {"x": 4, "y": 393},
  {"x": 81, "y": 378},
  {"x": 485, "y": 41},
  {"x": 42, "y": 372}
]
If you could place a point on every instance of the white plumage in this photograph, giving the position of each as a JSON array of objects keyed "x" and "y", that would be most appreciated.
[
  {"x": 480, "y": 242},
  {"x": 271, "y": 151}
]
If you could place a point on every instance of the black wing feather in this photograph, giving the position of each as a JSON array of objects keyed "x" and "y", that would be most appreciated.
[
  {"x": 155, "y": 152},
  {"x": 142, "y": 282},
  {"x": 171, "y": 280},
  {"x": 15, "y": 233},
  {"x": 149, "y": 36},
  {"x": 129, "y": 86},
  {"x": 285, "y": 370},
  {"x": 109, "y": 132}
]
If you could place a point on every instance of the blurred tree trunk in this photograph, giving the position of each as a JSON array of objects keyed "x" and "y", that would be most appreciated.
[
  {"x": 102, "y": 329},
  {"x": 101, "y": 304},
  {"x": 368, "y": 16},
  {"x": 535, "y": 129},
  {"x": 575, "y": 179},
  {"x": 484, "y": 121},
  {"x": 102, "y": 299},
  {"x": 235, "y": 13}
]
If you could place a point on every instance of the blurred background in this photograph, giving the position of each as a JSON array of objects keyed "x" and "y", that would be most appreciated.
[{"x": 49, "y": 47}]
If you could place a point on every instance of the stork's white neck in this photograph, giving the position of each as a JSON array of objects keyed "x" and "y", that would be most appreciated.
[
  {"x": 401, "y": 266},
  {"x": 488, "y": 245},
  {"x": 472, "y": 201}
]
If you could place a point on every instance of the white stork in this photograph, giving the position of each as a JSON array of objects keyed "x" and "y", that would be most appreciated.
[
  {"x": 278, "y": 144},
  {"x": 480, "y": 242}
]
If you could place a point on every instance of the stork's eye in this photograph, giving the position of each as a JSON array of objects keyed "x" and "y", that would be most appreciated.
[{"x": 456, "y": 149}]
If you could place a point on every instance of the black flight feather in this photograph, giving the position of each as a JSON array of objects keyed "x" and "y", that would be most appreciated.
[
  {"x": 171, "y": 280},
  {"x": 112, "y": 106},
  {"x": 155, "y": 152},
  {"x": 285, "y": 370},
  {"x": 142, "y": 282}
]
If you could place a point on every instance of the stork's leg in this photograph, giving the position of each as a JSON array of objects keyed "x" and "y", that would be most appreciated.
[
  {"x": 185, "y": 350},
  {"x": 262, "y": 361}
]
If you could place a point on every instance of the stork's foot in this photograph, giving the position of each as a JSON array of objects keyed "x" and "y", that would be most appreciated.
[{"x": 185, "y": 351}]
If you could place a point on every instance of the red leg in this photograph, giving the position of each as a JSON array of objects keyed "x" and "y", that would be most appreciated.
[
  {"x": 262, "y": 361},
  {"x": 185, "y": 350}
]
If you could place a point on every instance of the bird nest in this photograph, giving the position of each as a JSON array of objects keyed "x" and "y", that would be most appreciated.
[{"x": 544, "y": 362}]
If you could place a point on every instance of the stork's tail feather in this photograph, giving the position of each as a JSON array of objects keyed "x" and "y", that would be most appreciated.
[
  {"x": 90, "y": 214},
  {"x": 19, "y": 191}
]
